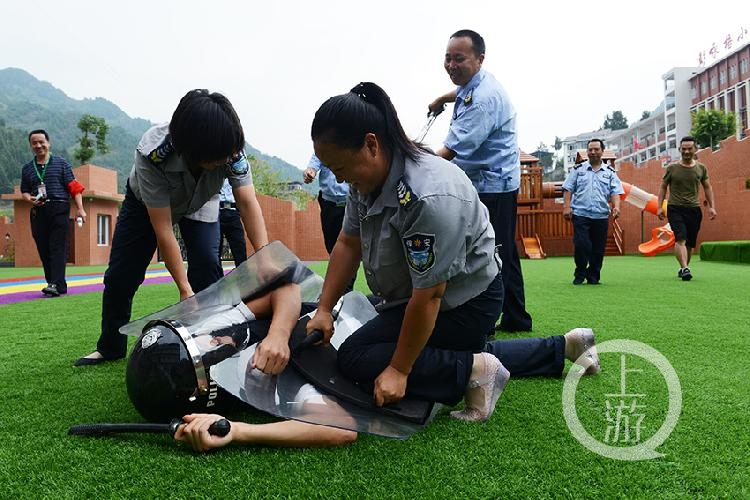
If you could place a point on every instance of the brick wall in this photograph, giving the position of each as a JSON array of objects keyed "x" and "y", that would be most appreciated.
[
  {"x": 729, "y": 170},
  {"x": 299, "y": 230}
]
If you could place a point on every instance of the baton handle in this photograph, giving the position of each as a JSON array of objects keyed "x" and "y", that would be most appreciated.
[
  {"x": 219, "y": 428},
  {"x": 313, "y": 338}
]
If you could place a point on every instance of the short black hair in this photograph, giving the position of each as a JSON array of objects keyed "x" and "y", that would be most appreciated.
[
  {"x": 689, "y": 138},
  {"x": 601, "y": 142},
  {"x": 205, "y": 127},
  {"x": 477, "y": 41},
  {"x": 39, "y": 131}
]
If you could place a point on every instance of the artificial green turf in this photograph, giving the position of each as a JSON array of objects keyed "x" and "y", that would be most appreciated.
[{"x": 524, "y": 451}]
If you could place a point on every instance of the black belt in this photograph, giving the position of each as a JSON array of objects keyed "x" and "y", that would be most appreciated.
[
  {"x": 226, "y": 204},
  {"x": 59, "y": 201}
]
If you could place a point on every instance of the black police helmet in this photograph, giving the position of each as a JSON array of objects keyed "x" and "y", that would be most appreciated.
[{"x": 163, "y": 381}]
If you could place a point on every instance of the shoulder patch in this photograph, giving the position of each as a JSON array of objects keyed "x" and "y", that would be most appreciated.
[
  {"x": 238, "y": 165},
  {"x": 162, "y": 152},
  {"x": 420, "y": 251},
  {"x": 406, "y": 196}
]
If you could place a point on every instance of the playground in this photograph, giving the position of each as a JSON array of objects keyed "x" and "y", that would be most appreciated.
[{"x": 525, "y": 451}]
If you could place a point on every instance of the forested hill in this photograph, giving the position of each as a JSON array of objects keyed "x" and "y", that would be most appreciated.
[{"x": 27, "y": 103}]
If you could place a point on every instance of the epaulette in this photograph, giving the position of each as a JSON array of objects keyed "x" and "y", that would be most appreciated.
[
  {"x": 162, "y": 152},
  {"x": 406, "y": 197},
  {"x": 577, "y": 165}
]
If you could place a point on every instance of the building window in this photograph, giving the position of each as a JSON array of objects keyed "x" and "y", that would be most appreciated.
[
  {"x": 743, "y": 66},
  {"x": 712, "y": 82},
  {"x": 102, "y": 230},
  {"x": 704, "y": 87},
  {"x": 732, "y": 72},
  {"x": 722, "y": 77}
]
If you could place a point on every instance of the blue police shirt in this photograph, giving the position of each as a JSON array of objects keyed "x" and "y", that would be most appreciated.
[
  {"x": 591, "y": 190},
  {"x": 330, "y": 190},
  {"x": 226, "y": 194},
  {"x": 483, "y": 134}
]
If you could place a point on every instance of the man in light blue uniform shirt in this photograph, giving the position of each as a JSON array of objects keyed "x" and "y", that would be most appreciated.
[
  {"x": 230, "y": 225},
  {"x": 588, "y": 190},
  {"x": 332, "y": 201},
  {"x": 482, "y": 140}
]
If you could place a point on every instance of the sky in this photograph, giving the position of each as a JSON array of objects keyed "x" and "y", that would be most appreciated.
[{"x": 565, "y": 65}]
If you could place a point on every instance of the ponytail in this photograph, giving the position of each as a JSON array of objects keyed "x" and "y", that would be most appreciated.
[{"x": 344, "y": 120}]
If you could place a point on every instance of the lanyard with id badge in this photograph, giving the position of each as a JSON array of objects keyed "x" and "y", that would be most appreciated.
[{"x": 41, "y": 194}]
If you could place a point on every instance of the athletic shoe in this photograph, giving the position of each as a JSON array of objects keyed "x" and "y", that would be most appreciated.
[
  {"x": 582, "y": 342},
  {"x": 578, "y": 281},
  {"x": 51, "y": 290},
  {"x": 686, "y": 274},
  {"x": 679, "y": 272}
]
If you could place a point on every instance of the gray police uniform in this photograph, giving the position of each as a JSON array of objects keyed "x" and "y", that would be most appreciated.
[
  {"x": 424, "y": 227},
  {"x": 160, "y": 178}
]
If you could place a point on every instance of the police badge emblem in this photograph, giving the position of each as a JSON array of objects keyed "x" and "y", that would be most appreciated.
[
  {"x": 238, "y": 165},
  {"x": 420, "y": 251}
]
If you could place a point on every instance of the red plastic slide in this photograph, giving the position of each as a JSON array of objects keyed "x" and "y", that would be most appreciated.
[{"x": 662, "y": 238}]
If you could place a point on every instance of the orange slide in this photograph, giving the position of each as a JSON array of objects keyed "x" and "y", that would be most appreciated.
[
  {"x": 662, "y": 237},
  {"x": 532, "y": 247}
]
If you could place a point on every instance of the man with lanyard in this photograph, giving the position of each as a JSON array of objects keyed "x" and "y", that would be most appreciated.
[
  {"x": 588, "y": 190},
  {"x": 178, "y": 171},
  {"x": 332, "y": 201},
  {"x": 47, "y": 182},
  {"x": 230, "y": 225},
  {"x": 482, "y": 140}
]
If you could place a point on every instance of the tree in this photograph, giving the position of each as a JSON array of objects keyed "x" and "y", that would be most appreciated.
[
  {"x": 645, "y": 114},
  {"x": 544, "y": 155},
  {"x": 558, "y": 143},
  {"x": 711, "y": 126},
  {"x": 616, "y": 122},
  {"x": 98, "y": 128},
  {"x": 265, "y": 180}
]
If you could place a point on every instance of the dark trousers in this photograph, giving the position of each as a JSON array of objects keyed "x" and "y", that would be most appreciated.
[
  {"x": 331, "y": 220},
  {"x": 502, "y": 208},
  {"x": 50, "y": 229},
  {"x": 133, "y": 246},
  {"x": 531, "y": 357},
  {"x": 589, "y": 240},
  {"x": 442, "y": 370},
  {"x": 230, "y": 224}
]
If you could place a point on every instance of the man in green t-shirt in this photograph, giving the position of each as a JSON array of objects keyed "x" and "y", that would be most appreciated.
[{"x": 684, "y": 208}]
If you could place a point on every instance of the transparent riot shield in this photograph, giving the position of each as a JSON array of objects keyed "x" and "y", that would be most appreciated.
[
  {"x": 289, "y": 395},
  {"x": 272, "y": 265}
]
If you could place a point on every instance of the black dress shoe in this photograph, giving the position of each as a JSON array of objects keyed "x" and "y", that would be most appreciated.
[
  {"x": 90, "y": 361},
  {"x": 51, "y": 290},
  {"x": 578, "y": 281}
]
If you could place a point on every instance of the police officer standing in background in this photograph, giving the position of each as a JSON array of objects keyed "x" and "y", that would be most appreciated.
[
  {"x": 332, "y": 201},
  {"x": 482, "y": 140},
  {"x": 230, "y": 225},
  {"x": 47, "y": 182},
  {"x": 588, "y": 190},
  {"x": 178, "y": 172}
]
